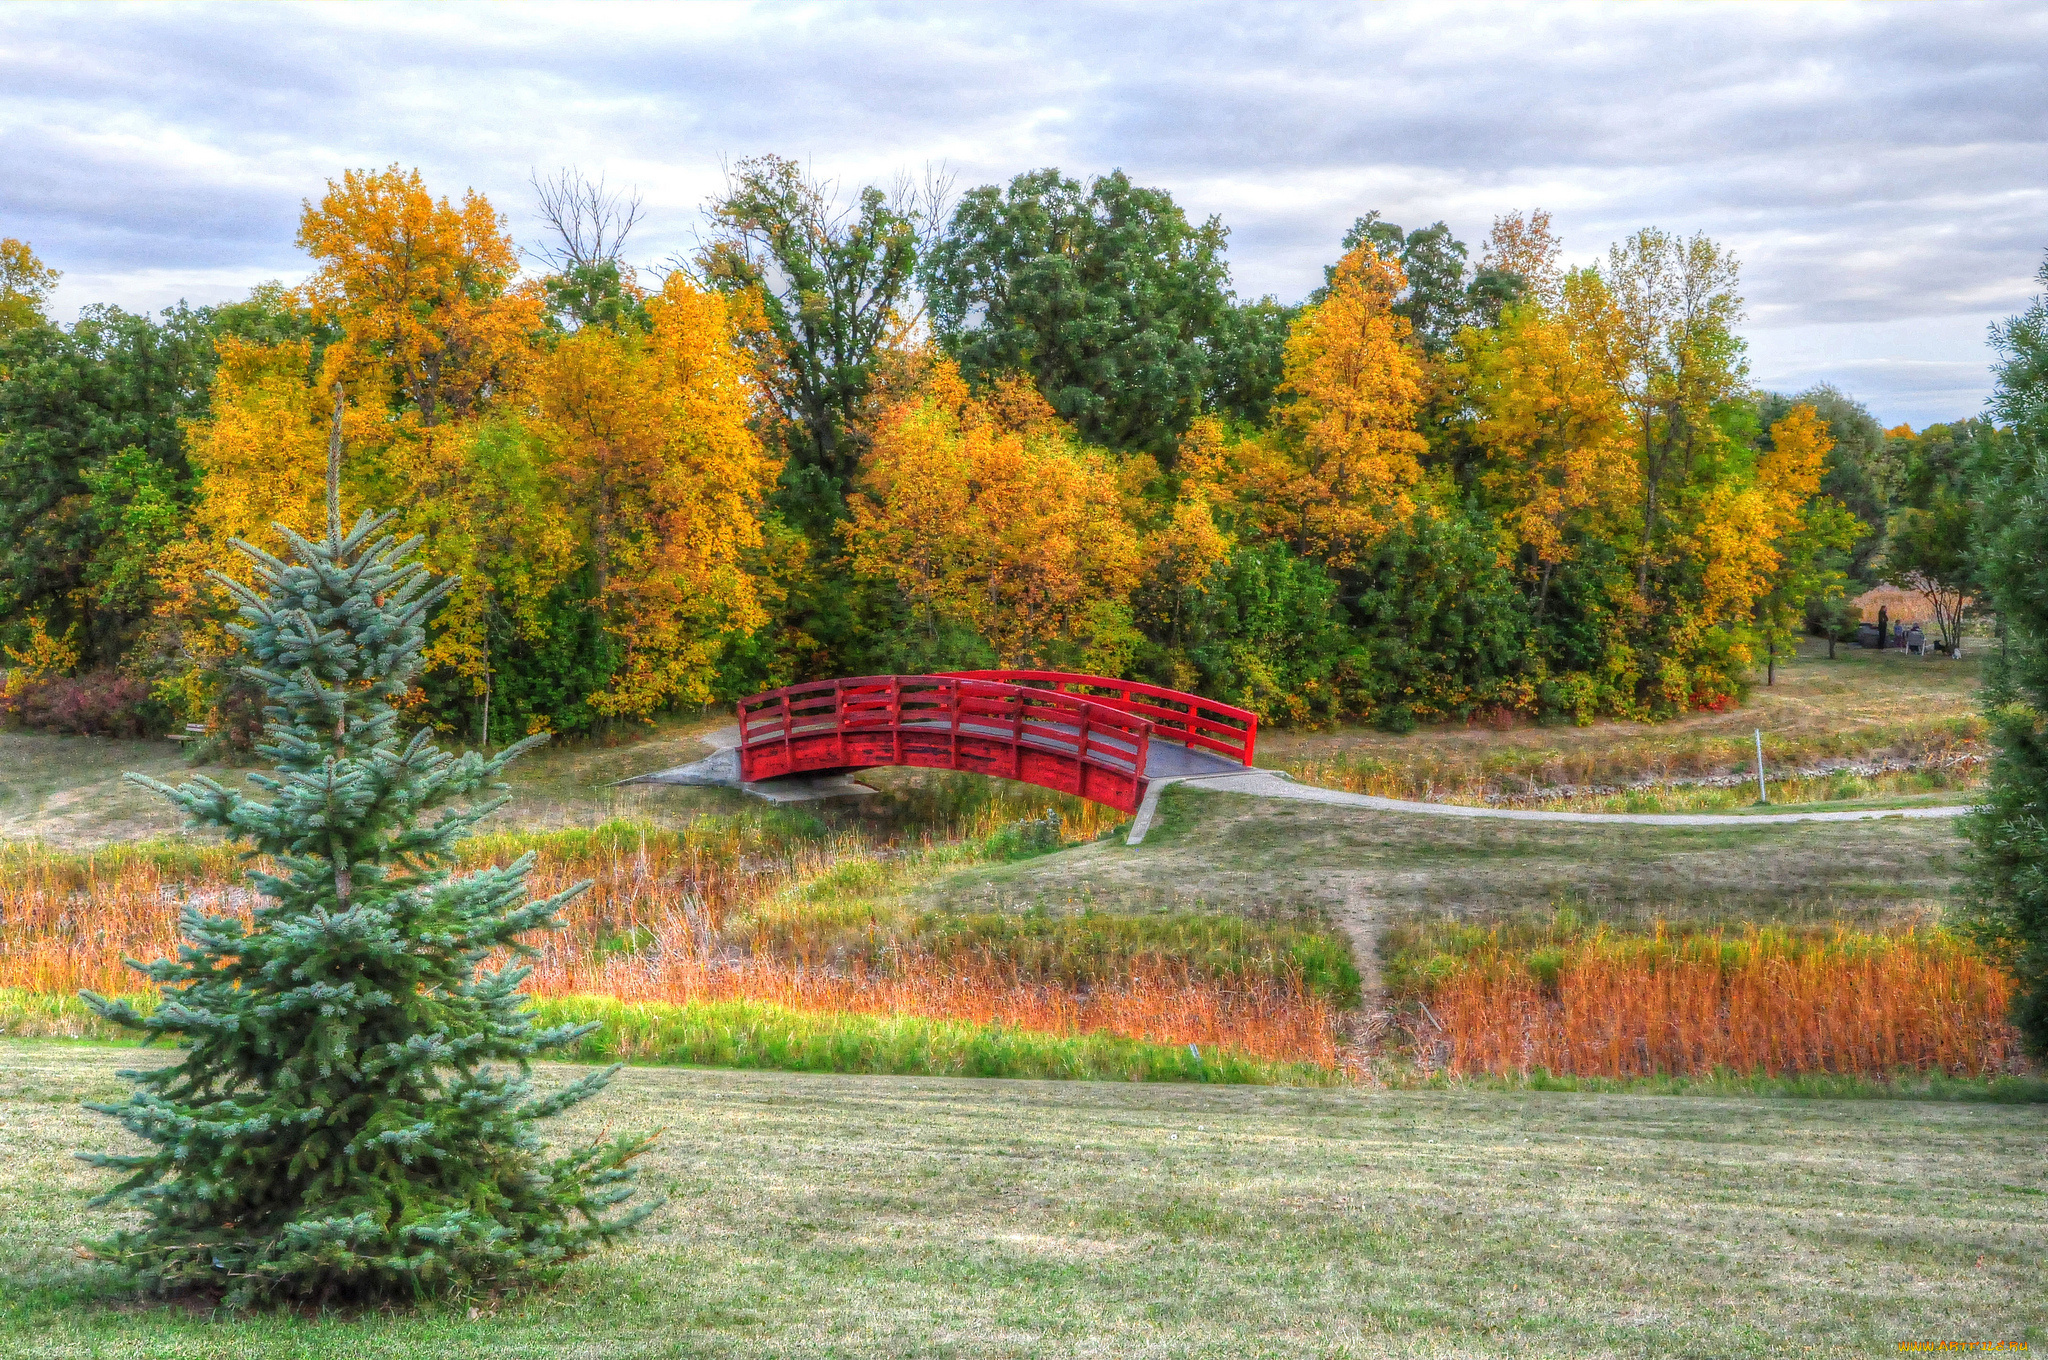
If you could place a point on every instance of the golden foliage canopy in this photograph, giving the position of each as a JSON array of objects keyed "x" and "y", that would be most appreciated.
[
  {"x": 1555, "y": 441},
  {"x": 423, "y": 291},
  {"x": 25, "y": 285},
  {"x": 651, "y": 435},
  {"x": 986, "y": 513},
  {"x": 1355, "y": 384}
]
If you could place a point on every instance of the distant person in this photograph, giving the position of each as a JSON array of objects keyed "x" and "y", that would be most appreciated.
[
  {"x": 1883, "y": 626},
  {"x": 1898, "y": 634}
]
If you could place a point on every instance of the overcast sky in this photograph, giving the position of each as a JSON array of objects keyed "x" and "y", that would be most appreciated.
[{"x": 1879, "y": 169}]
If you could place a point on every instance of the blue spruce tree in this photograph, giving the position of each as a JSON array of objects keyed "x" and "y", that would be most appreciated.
[{"x": 337, "y": 1130}]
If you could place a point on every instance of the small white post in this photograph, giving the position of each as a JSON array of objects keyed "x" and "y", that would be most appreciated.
[{"x": 1761, "y": 796}]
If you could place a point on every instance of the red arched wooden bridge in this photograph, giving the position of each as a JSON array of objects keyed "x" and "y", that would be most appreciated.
[{"x": 1084, "y": 734}]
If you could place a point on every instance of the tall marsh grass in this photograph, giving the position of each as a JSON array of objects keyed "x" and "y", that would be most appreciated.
[
  {"x": 1767, "y": 1001},
  {"x": 758, "y": 910}
]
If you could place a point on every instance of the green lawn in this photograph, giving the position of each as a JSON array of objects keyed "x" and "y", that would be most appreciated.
[{"x": 874, "y": 1216}]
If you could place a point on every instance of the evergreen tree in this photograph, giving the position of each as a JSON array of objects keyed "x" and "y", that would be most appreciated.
[
  {"x": 335, "y": 1131},
  {"x": 2009, "y": 910}
]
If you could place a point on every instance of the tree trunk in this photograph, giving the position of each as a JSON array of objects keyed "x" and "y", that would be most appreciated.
[{"x": 1649, "y": 509}]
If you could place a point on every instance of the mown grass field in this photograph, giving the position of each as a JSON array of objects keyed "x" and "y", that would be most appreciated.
[
  {"x": 1226, "y": 848},
  {"x": 892, "y": 1217}
]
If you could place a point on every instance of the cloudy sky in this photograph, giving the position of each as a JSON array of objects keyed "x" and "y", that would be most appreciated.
[{"x": 1881, "y": 170}]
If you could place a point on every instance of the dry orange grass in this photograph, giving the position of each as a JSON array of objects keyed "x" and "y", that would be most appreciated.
[
  {"x": 1769, "y": 1002},
  {"x": 671, "y": 918},
  {"x": 1152, "y": 1002}
]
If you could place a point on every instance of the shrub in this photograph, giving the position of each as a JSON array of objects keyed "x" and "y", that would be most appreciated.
[{"x": 96, "y": 704}]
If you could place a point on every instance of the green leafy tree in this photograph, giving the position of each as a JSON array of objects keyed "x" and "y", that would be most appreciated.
[
  {"x": 113, "y": 385},
  {"x": 335, "y": 1131},
  {"x": 1943, "y": 460},
  {"x": 1440, "y": 618},
  {"x": 2009, "y": 902},
  {"x": 93, "y": 475},
  {"x": 836, "y": 282},
  {"x": 1267, "y": 634},
  {"x": 1677, "y": 305},
  {"x": 138, "y": 505},
  {"x": 1250, "y": 359},
  {"x": 1104, "y": 293},
  {"x": 1445, "y": 292},
  {"x": 1930, "y": 552}
]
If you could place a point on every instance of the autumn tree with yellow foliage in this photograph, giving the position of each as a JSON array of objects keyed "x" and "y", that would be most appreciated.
[
  {"x": 997, "y": 528},
  {"x": 1353, "y": 383},
  {"x": 1560, "y": 500},
  {"x": 609, "y": 477},
  {"x": 1809, "y": 533},
  {"x": 663, "y": 477}
]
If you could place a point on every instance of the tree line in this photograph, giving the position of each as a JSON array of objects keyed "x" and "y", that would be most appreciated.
[{"x": 900, "y": 430}]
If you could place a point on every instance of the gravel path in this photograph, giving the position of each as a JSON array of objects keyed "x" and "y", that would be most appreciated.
[{"x": 1273, "y": 784}]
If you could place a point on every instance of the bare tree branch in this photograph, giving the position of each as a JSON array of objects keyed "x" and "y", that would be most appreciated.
[{"x": 590, "y": 222}]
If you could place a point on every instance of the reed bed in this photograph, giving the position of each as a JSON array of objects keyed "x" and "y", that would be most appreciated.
[
  {"x": 729, "y": 910},
  {"x": 1768, "y": 1001},
  {"x": 1160, "y": 1003}
]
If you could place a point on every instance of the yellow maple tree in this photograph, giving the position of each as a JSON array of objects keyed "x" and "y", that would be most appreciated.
[
  {"x": 1556, "y": 451},
  {"x": 652, "y": 436},
  {"x": 433, "y": 320},
  {"x": 259, "y": 459},
  {"x": 986, "y": 513},
  {"x": 1355, "y": 383},
  {"x": 25, "y": 285}
]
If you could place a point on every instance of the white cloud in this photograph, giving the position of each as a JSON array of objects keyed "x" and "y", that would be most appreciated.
[{"x": 1871, "y": 165}]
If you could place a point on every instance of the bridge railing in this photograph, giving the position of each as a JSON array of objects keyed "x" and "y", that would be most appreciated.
[
  {"x": 991, "y": 726},
  {"x": 1186, "y": 718}
]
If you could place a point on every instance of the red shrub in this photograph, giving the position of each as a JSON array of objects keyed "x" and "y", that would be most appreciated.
[{"x": 98, "y": 704}]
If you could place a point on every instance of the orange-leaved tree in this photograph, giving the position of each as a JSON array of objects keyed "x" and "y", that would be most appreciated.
[
  {"x": 434, "y": 323},
  {"x": 1354, "y": 383},
  {"x": 433, "y": 334},
  {"x": 652, "y": 436},
  {"x": 987, "y": 514},
  {"x": 438, "y": 336}
]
